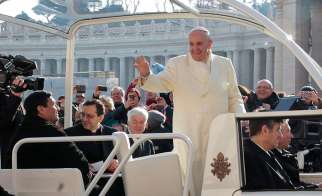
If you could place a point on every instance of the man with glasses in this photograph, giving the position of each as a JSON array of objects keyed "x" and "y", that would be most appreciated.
[
  {"x": 91, "y": 117},
  {"x": 264, "y": 97}
]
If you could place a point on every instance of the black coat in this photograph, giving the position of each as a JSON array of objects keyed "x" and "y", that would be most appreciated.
[
  {"x": 290, "y": 164},
  {"x": 48, "y": 155},
  {"x": 120, "y": 114},
  {"x": 93, "y": 151},
  {"x": 10, "y": 117},
  {"x": 253, "y": 102},
  {"x": 169, "y": 117},
  {"x": 163, "y": 145},
  {"x": 262, "y": 171},
  {"x": 144, "y": 149}
]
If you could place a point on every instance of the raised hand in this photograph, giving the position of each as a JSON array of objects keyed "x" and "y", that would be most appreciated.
[{"x": 142, "y": 65}]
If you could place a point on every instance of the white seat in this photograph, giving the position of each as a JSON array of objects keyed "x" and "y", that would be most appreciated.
[
  {"x": 157, "y": 175},
  {"x": 39, "y": 182},
  {"x": 160, "y": 173}
]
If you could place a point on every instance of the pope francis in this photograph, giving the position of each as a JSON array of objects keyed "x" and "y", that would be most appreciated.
[{"x": 203, "y": 85}]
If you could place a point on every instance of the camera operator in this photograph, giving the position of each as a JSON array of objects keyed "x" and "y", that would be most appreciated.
[{"x": 10, "y": 114}]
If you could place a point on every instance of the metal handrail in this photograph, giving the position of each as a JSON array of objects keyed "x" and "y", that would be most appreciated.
[
  {"x": 68, "y": 139},
  {"x": 145, "y": 137}
]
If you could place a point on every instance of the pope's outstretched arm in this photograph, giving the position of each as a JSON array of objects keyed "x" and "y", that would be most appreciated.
[{"x": 162, "y": 82}]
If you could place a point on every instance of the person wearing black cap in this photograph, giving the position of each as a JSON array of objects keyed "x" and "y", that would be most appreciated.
[
  {"x": 307, "y": 131},
  {"x": 155, "y": 124},
  {"x": 310, "y": 99}
]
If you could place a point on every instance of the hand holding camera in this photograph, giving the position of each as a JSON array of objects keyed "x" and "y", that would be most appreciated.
[
  {"x": 309, "y": 96},
  {"x": 18, "y": 86},
  {"x": 98, "y": 90}
]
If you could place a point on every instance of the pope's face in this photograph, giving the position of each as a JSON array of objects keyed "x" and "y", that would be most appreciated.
[{"x": 199, "y": 45}]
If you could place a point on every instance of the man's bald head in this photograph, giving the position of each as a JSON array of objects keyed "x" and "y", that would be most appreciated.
[
  {"x": 264, "y": 89},
  {"x": 200, "y": 44}
]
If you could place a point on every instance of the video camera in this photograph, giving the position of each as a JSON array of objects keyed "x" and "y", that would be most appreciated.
[{"x": 11, "y": 67}]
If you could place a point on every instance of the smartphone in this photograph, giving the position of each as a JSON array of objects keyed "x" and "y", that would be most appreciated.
[
  {"x": 80, "y": 88},
  {"x": 102, "y": 88}
]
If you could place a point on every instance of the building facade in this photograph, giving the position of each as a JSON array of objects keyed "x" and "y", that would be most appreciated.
[{"x": 111, "y": 48}]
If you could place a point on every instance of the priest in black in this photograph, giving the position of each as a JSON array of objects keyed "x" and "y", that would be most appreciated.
[
  {"x": 92, "y": 115},
  {"x": 263, "y": 170}
]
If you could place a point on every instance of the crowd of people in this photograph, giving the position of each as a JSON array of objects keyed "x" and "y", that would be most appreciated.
[
  {"x": 41, "y": 115},
  {"x": 201, "y": 85}
]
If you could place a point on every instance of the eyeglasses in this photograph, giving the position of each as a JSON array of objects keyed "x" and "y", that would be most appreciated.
[
  {"x": 89, "y": 116},
  {"x": 263, "y": 87}
]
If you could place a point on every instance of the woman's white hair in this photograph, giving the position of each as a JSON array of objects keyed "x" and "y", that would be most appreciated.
[{"x": 137, "y": 111}]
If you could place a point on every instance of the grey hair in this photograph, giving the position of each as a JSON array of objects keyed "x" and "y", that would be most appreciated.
[
  {"x": 267, "y": 81},
  {"x": 199, "y": 28},
  {"x": 137, "y": 111},
  {"x": 119, "y": 89},
  {"x": 107, "y": 101}
]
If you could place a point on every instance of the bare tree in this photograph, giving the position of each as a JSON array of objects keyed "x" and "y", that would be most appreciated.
[
  {"x": 130, "y": 5},
  {"x": 136, "y": 4}
]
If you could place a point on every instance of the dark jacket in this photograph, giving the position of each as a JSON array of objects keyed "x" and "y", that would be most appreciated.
[
  {"x": 253, "y": 102},
  {"x": 10, "y": 117},
  {"x": 144, "y": 149},
  {"x": 120, "y": 114},
  {"x": 263, "y": 171},
  {"x": 169, "y": 117},
  {"x": 93, "y": 151},
  {"x": 48, "y": 155},
  {"x": 289, "y": 163},
  {"x": 155, "y": 125}
]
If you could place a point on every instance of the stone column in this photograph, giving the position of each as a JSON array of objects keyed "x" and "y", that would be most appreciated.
[
  {"x": 269, "y": 64},
  {"x": 256, "y": 73},
  {"x": 91, "y": 64},
  {"x": 246, "y": 63},
  {"x": 278, "y": 60},
  {"x": 42, "y": 66},
  {"x": 106, "y": 64},
  {"x": 123, "y": 76},
  {"x": 59, "y": 67},
  {"x": 316, "y": 29}
]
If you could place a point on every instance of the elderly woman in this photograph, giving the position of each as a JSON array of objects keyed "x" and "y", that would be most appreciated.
[{"x": 137, "y": 122}]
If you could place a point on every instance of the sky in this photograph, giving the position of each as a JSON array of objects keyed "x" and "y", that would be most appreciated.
[{"x": 14, "y": 7}]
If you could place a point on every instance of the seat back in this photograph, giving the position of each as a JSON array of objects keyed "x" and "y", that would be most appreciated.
[
  {"x": 37, "y": 182},
  {"x": 156, "y": 175}
]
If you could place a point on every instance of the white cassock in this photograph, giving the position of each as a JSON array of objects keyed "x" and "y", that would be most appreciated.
[{"x": 201, "y": 91}]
